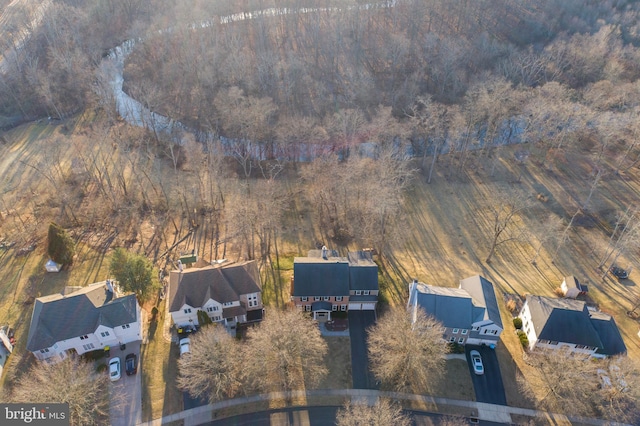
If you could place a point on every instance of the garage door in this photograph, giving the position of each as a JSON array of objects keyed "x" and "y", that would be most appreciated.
[{"x": 362, "y": 306}]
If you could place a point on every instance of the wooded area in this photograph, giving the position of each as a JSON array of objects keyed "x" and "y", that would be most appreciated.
[{"x": 454, "y": 137}]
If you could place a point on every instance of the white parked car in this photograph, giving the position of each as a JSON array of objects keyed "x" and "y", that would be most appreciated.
[
  {"x": 185, "y": 345},
  {"x": 114, "y": 369},
  {"x": 476, "y": 361}
]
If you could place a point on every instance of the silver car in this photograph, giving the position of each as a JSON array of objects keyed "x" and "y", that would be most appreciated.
[{"x": 476, "y": 361}]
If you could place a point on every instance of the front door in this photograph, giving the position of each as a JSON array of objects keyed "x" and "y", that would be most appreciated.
[{"x": 322, "y": 316}]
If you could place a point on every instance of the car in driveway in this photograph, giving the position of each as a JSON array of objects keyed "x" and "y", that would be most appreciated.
[
  {"x": 114, "y": 369},
  {"x": 185, "y": 346},
  {"x": 618, "y": 272},
  {"x": 476, "y": 362},
  {"x": 131, "y": 364}
]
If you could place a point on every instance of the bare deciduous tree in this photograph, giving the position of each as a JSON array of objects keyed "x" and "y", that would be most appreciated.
[
  {"x": 71, "y": 381},
  {"x": 407, "y": 353},
  {"x": 503, "y": 217},
  {"x": 285, "y": 352},
  {"x": 213, "y": 368},
  {"x": 382, "y": 413},
  {"x": 577, "y": 384}
]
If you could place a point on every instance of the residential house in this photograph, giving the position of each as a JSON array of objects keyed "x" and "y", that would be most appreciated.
[
  {"x": 6, "y": 347},
  {"x": 324, "y": 282},
  {"x": 230, "y": 294},
  {"x": 553, "y": 323},
  {"x": 82, "y": 319},
  {"x": 572, "y": 288},
  {"x": 469, "y": 314}
]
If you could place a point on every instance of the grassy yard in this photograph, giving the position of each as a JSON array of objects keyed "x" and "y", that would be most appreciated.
[{"x": 159, "y": 357}]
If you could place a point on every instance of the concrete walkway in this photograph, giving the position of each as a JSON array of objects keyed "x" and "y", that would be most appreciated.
[{"x": 483, "y": 411}]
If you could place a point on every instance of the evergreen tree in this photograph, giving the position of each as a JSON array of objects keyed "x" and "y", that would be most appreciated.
[
  {"x": 61, "y": 247},
  {"x": 133, "y": 272}
]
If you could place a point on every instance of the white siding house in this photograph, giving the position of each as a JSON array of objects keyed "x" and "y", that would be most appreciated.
[
  {"x": 230, "y": 294},
  {"x": 82, "y": 319},
  {"x": 551, "y": 323},
  {"x": 469, "y": 314}
]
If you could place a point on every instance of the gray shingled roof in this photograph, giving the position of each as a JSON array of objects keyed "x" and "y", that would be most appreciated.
[
  {"x": 608, "y": 331},
  {"x": 363, "y": 271},
  {"x": 60, "y": 317},
  {"x": 233, "y": 311},
  {"x": 315, "y": 276},
  {"x": 562, "y": 320},
  {"x": 222, "y": 283},
  {"x": 451, "y": 306},
  {"x": 483, "y": 294}
]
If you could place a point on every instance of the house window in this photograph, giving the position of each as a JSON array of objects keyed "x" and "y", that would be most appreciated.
[
  {"x": 326, "y": 298},
  {"x": 85, "y": 337},
  {"x": 212, "y": 309},
  {"x": 307, "y": 307},
  {"x": 343, "y": 307},
  {"x": 485, "y": 332},
  {"x": 304, "y": 299},
  {"x": 464, "y": 331},
  {"x": 475, "y": 328},
  {"x": 553, "y": 342},
  {"x": 126, "y": 326},
  {"x": 316, "y": 298},
  {"x": 217, "y": 318},
  {"x": 494, "y": 331},
  {"x": 88, "y": 347},
  {"x": 366, "y": 292},
  {"x": 452, "y": 339},
  {"x": 187, "y": 311},
  {"x": 104, "y": 333},
  {"x": 227, "y": 304},
  {"x": 455, "y": 331},
  {"x": 44, "y": 351},
  {"x": 253, "y": 300},
  {"x": 358, "y": 292},
  {"x": 581, "y": 347},
  {"x": 461, "y": 340},
  {"x": 334, "y": 307},
  {"x": 338, "y": 298}
]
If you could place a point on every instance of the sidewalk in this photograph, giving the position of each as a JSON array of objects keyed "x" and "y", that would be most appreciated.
[{"x": 483, "y": 411}]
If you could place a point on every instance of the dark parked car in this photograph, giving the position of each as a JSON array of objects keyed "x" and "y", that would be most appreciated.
[
  {"x": 619, "y": 273},
  {"x": 131, "y": 364}
]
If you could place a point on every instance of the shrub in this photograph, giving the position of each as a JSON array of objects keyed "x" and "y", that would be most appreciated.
[
  {"x": 523, "y": 339},
  {"x": 558, "y": 292},
  {"x": 511, "y": 305},
  {"x": 517, "y": 323},
  {"x": 101, "y": 368},
  {"x": 456, "y": 348}
]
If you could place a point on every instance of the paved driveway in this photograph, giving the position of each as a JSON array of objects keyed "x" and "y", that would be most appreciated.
[
  {"x": 359, "y": 321},
  {"x": 126, "y": 394},
  {"x": 489, "y": 387}
]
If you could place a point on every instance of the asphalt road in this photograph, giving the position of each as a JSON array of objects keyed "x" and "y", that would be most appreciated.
[
  {"x": 359, "y": 321},
  {"x": 320, "y": 416},
  {"x": 489, "y": 387}
]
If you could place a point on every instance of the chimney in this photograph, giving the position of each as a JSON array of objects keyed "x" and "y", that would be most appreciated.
[{"x": 324, "y": 252}]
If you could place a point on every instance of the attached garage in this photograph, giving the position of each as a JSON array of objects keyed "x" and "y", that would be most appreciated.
[{"x": 356, "y": 306}]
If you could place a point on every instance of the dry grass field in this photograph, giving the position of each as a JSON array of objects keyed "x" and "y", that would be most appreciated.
[{"x": 443, "y": 239}]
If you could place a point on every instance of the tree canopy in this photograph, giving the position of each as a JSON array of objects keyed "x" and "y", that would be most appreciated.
[
  {"x": 213, "y": 368},
  {"x": 133, "y": 272},
  {"x": 406, "y": 353},
  {"x": 382, "y": 413},
  {"x": 60, "y": 246},
  {"x": 71, "y": 381}
]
